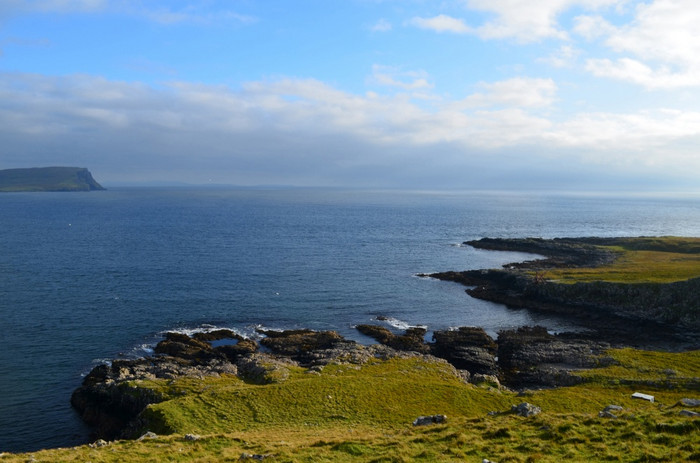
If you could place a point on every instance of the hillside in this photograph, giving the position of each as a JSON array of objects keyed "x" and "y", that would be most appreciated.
[{"x": 48, "y": 179}]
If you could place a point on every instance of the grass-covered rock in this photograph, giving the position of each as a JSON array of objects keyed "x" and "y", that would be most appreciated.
[{"x": 364, "y": 412}]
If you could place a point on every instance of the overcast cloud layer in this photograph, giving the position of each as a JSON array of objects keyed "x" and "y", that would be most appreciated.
[{"x": 466, "y": 94}]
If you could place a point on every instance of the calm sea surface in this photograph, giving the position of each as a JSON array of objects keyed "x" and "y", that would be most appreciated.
[{"x": 86, "y": 277}]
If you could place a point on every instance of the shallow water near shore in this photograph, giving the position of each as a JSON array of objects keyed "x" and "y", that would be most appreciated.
[{"x": 87, "y": 277}]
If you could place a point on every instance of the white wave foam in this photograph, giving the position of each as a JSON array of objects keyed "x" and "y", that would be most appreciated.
[{"x": 400, "y": 324}]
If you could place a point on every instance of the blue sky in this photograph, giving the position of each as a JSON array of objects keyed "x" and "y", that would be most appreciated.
[{"x": 562, "y": 94}]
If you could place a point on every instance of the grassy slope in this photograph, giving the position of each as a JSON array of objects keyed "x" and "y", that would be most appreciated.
[
  {"x": 350, "y": 414},
  {"x": 641, "y": 260}
]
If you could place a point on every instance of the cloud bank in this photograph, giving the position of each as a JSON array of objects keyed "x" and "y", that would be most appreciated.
[{"x": 303, "y": 131}]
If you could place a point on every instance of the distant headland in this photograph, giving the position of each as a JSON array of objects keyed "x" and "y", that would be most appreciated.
[{"x": 48, "y": 179}]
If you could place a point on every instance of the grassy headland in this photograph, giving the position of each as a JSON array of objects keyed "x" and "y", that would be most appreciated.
[
  {"x": 641, "y": 260},
  {"x": 47, "y": 179},
  {"x": 364, "y": 413}
]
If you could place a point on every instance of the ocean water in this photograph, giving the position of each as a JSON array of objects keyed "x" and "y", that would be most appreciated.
[{"x": 87, "y": 277}]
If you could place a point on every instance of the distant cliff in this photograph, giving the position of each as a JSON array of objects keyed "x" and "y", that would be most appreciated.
[{"x": 48, "y": 179}]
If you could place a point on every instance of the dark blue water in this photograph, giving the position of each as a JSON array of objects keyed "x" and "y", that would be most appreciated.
[{"x": 91, "y": 276}]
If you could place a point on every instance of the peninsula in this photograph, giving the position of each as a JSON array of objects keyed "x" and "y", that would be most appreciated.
[{"x": 48, "y": 179}]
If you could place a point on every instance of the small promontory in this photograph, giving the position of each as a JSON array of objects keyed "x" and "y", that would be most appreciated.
[{"x": 48, "y": 179}]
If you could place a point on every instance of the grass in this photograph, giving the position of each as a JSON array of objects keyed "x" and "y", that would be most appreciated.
[
  {"x": 364, "y": 414},
  {"x": 640, "y": 260}
]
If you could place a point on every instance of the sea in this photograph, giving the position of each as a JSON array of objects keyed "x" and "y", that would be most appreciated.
[{"x": 90, "y": 277}]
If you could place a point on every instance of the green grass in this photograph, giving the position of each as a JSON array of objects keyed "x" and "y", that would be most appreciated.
[
  {"x": 641, "y": 260},
  {"x": 353, "y": 414}
]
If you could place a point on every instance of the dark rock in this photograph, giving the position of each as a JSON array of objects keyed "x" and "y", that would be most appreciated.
[
  {"x": 297, "y": 343},
  {"x": 234, "y": 351},
  {"x": 431, "y": 419},
  {"x": 467, "y": 348},
  {"x": 184, "y": 347},
  {"x": 216, "y": 335},
  {"x": 530, "y": 356},
  {"x": 413, "y": 338}
]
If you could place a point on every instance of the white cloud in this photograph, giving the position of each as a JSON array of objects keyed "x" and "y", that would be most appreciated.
[
  {"x": 381, "y": 26},
  {"x": 529, "y": 21},
  {"x": 405, "y": 80},
  {"x": 564, "y": 57},
  {"x": 441, "y": 23},
  {"x": 191, "y": 14},
  {"x": 284, "y": 129},
  {"x": 663, "y": 40},
  {"x": 62, "y": 5},
  {"x": 518, "y": 92}
]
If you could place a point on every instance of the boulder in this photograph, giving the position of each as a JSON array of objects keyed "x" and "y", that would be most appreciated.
[
  {"x": 296, "y": 344},
  {"x": 262, "y": 369},
  {"x": 467, "y": 348},
  {"x": 530, "y": 356},
  {"x": 430, "y": 419},
  {"x": 413, "y": 338},
  {"x": 525, "y": 409}
]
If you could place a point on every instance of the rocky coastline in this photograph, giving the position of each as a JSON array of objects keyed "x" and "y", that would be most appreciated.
[
  {"x": 110, "y": 400},
  {"x": 639, "y": 314},
  {"x": 529, "y": 357}
]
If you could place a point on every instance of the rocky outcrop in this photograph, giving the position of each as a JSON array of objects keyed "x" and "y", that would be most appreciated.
[
  {"x": 532, "y": 357},
  {"x": 670, "y": 310},
  {"x": 299, "y": 344},
  {"x": 413, "y": 338},
  {"x": 467, "y": 348}
]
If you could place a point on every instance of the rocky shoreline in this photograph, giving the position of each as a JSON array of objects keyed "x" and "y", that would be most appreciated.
[
  {"x": 647, "y": 315},
  {"x": 529, "y": 357}
]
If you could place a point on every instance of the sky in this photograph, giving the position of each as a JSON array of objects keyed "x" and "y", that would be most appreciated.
[{"x": 455, "y": 94}]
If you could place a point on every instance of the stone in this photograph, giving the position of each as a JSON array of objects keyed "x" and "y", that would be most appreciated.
[
  {"x": 607, "y": 412},
  {"x": 490, "y": 380},
  {"x": 639, "y": 395},
  {"x": 613, "y": 408},
  {"x": 99, "y": 443},
  {"x": 531, "y": 356},
  {"x": 526, "y": 409},
  {"x": 431, "y": 419},
  {"x": 148, "y": 435},
  {"x": 689, "y": 413},
  {"x": 467, "y": 348},
  {"x": 262, "y": 369},
  {"x": 256, "y": 456},
  {"x": 411, "y": 340},
  {"x": 297, "y": 343},
  {"x": 690, "y": 402},
  {"x": 192, "y": 437}
]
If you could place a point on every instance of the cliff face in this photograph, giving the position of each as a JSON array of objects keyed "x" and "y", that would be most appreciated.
[{"x": 48, "y": 179}]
